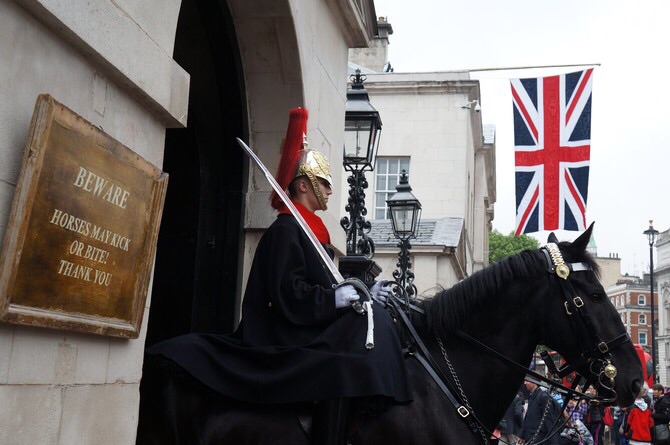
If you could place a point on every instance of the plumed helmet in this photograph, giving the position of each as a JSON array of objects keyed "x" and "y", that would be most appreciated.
[
  {"x": 314, "y": 163},
  {"x": 298, "y": 160}
]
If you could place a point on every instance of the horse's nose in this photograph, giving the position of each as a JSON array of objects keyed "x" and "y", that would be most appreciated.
[{"x": 636, "y": 387}]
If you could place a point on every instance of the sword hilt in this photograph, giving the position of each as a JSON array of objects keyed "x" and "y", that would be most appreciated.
[{"x": 362, "y": 289}]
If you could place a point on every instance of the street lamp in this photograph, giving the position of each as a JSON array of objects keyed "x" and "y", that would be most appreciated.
[
  {"x": 405, "y": 215},
  {"x": 362, "y": 128},
  {"x": 651, "y": 237}
]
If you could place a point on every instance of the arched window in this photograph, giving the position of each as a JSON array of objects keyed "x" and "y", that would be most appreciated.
[
  {"x": 641, "y": 300},
  {"x": 642, "y": 319}
]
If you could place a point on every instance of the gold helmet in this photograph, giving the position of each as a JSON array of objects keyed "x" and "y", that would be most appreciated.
[
  {"x": 313, "y": 164},
  {"x": 298, "y": 160}
]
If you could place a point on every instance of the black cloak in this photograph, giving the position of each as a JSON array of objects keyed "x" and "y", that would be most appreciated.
[{"x": 293, "y": 345}]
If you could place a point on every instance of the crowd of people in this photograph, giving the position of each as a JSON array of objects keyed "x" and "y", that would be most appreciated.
[{"x": 535, "y": 415}]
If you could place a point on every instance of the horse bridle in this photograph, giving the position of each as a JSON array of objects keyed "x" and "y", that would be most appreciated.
[{"x": 596, "y": 351}]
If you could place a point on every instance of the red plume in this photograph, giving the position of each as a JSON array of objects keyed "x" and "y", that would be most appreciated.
[{"x": 297, "y": 128}]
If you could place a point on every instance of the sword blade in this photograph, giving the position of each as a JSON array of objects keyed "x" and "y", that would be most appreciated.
[{"x": 327, "y": 261}]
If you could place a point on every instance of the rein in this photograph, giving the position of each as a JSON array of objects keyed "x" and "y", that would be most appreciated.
[{"x": 596, "y": 354}]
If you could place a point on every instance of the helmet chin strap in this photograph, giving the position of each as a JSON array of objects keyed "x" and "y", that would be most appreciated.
[{"x": 317, "y": 191}]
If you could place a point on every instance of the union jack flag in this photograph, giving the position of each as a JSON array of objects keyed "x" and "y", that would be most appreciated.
[{"x": 552, "y": 142}]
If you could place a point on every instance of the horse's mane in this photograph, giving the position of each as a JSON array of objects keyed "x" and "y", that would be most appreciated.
[{"x": 450, "y": 307}]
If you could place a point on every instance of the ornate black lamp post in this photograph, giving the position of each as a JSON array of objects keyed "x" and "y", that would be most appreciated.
[
  {"x": 405, "y": 215},
  {"x": 362, "y": 128},
  {"x": 651, "y": 237}
]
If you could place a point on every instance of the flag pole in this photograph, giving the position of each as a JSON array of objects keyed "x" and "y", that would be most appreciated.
[{"x": 530, "y": 67}]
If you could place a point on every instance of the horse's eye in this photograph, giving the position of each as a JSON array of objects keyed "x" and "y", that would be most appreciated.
[{"x": 598, "y": 295}]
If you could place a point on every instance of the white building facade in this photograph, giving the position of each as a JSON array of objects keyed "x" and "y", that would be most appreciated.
[
  {"x": 433, "y": 129},
  {"x": 662, "y": 280}
]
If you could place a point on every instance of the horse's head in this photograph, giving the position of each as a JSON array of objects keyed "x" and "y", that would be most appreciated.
[{"x": 583, "y": 325}]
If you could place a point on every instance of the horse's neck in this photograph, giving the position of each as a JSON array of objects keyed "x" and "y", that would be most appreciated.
[{"x": 489, "y": 383}]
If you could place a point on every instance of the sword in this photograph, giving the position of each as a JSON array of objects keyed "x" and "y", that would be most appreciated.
[{"x": 359, "y": 307}]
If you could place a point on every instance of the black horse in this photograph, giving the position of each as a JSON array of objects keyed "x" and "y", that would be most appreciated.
[{"x": 510, "y": 307}]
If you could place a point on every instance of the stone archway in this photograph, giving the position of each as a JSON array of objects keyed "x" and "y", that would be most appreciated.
[{"x": 245, "y": 73}]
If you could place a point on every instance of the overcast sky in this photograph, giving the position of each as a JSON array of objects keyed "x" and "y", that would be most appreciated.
[{"x": 631, "y": 94}]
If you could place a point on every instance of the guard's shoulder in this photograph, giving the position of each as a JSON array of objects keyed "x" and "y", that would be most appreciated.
[
  {"x": 285, "y": 222},
  {"x": 284, "y": 226}
]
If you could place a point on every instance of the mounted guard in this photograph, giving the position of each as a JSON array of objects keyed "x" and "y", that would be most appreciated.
[{"x": 299, "y": 340}]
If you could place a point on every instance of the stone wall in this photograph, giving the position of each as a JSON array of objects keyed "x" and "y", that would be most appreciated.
[
  {"x": 111, "y": 62},
  {"x": 60, "y": 387}
]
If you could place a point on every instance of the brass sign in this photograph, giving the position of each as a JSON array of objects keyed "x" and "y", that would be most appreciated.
[{"x": 81, "y": 238}]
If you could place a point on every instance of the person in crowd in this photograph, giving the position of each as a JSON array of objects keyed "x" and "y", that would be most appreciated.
[
  {"x": 578, "y": 410},
  {"x": 574, "y": 432},
  {"x": 617, "y": 414},
  {"x": 639, "y": 423},
  {"x": 510, "y": 425},
  {"x": 595, "y": 419},
  {"x": 537, "y": 424},
  {"x": 623, "y": 440},
  {"x": 661, "y": 412}
]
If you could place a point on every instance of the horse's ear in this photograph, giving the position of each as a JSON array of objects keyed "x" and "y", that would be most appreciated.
[
  {"x": 552, "y": 238},
  {"x": 582, "y": 241}
]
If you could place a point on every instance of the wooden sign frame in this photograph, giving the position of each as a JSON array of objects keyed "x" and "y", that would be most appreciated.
[{"x": 81, "y": 238}]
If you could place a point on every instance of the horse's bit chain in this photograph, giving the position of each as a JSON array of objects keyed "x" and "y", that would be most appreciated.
[
  {"x": 544, "y": 417},
  {"x": 457, "y": 381}
]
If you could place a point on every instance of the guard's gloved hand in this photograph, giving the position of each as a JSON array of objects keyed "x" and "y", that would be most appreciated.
[
  {"x": 345, "y": 295},
  {"x": 381, "y": 291}
]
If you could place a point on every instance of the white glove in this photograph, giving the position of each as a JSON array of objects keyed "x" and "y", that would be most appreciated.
[
  {"x": 381, "y": 291},
  {"x": 345, "y": 295}
]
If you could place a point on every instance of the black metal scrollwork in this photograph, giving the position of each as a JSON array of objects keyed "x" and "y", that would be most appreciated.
[
  {"x": 404, "y": 276},
  {"x": 355, "y": 225}
]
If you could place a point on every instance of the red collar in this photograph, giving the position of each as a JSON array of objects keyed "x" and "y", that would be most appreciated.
[{"x": 313, "y": 221}]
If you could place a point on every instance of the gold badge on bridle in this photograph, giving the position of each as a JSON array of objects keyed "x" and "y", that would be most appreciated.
[{"x": 562, "y": 269}]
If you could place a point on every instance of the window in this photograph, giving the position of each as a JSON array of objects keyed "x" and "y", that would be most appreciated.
[
  {"x": 387, "y": 176},
  {"x": 641, "y": 319},
  {"x": 643, "y": 338},
  {"x": 641, "y": 300}
]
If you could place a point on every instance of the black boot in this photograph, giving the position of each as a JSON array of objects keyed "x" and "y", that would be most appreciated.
[{"x": 329, "y": 426}]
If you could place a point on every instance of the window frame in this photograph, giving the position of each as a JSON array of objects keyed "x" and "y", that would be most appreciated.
[
  {"x": 391, "y": 177},
  {"x": 642, "y": 335}
]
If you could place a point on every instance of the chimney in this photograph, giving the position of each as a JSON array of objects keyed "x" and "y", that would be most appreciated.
[{"x": 375, "y": 56}]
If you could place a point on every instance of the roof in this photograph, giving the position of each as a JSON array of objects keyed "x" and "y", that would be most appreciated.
[
  {"x": 352, "y": 67},
  {"x": 432, "y": 232}
]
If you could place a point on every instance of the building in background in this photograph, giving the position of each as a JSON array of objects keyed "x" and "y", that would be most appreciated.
[
  {"x": 662, "y": 280},
  {"x": 432, "y": 127},
  {"x": 631, "y": 299}
]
